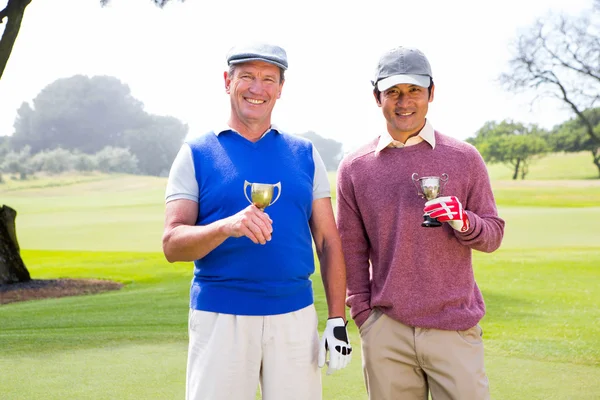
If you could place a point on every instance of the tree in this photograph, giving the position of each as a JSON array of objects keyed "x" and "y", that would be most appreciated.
[
  {"x": 510, "y": 143},
  {"x": 13, "y": 13},
  {"x": 4, "y": 149},
  {"x": 116, "y": 159},
  {"x": 54, "y": 161},
  {"x": 79, "y": 112},
  {"x": 4, "y": 146},
  {"x": 156, "y": 143},
  {"x": 89, "y": 114},
  {"x": 559, "y": 57},
  {"x": 330, "y": 150},
  {"x": 571, "y": 136},
  {"x": 12, "y": 268},
  {"x": 17, "y": 163}
]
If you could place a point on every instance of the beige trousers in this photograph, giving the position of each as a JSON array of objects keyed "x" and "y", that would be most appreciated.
[
  {"x": 230, "y": 355},
  {"x": 405, "y": 363}
]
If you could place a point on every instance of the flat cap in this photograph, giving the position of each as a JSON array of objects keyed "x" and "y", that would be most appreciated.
[{"x": 258, "y": 52}]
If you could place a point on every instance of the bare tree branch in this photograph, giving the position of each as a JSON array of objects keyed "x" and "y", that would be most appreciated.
[
  {"x": 13, "y": 11},
  {"x": 159, "y": 3},
  {"x": 3, "y": 14},
  {"x": 578, "y": 33},
  {"x": 559, "y": 57}
]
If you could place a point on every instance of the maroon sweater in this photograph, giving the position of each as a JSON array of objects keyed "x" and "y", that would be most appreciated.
[{"x": 422, "y": 277}]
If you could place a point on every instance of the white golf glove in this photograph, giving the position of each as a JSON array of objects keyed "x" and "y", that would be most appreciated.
[
  {"x": 335, "y": 340},
  {"x": 448, "y": 209}
]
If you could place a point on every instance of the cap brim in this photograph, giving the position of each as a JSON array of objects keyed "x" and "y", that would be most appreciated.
[
  {"x": 244, "y": 60},
  {"x": 419, "y": 80}
]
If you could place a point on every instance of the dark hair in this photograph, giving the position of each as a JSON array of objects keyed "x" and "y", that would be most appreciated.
[
  {"x": 378, "y": 93},
  {"x": 281, "y": 72}
]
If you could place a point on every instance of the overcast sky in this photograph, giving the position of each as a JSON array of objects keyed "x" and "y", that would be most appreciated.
[{"x": 173, "y": 59}]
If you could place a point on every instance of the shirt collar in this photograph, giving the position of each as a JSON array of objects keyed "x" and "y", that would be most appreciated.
[
  {"x": 224, "y": 128},
  {"x": 427, "y": 134}
]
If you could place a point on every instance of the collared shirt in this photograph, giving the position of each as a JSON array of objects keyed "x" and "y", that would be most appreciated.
[
  {"x": 387, "y": 141},
  {"x": 182, "y": 182},
  {"x": 224, "y": 127}
]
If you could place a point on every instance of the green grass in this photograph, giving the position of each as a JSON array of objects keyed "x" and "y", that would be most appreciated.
[
  {"x": 565, "y": 193},
  {"x": 542, "y": 329},
  {"x": 554, "y": 166},
  {"x": 113, "y": 213},
  {"x": 543, "y": 312},
  {"x": 542, "y": 304},
  {"x": 41, "y": 180},
  {"x": 152, "y": 301},
  {"x": 545, "y": 228}
]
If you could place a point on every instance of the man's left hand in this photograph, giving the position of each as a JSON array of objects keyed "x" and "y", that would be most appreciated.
[
  {"x": 448, "y": 209},
  {"x": 335, "y": 340}
]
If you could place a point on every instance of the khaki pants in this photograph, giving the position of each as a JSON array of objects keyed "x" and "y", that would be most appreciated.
[
  {"x": 405, "y": 363},
  {"x": 229, "y": 355}
]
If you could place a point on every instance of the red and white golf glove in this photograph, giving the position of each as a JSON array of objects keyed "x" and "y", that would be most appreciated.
[
  {"x": 448, "y": 209},
  {"x": 335, "y": 340}
]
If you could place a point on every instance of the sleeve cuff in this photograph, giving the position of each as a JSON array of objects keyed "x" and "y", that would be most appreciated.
[
  {"x": 361, "y": 317},
  {"x": 473, "y": 230}
]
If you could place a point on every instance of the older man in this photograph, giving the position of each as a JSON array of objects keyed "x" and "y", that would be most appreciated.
[{"x": 252, "y": 320}]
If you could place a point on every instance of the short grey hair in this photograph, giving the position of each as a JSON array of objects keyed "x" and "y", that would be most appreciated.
[{"x": 232, "y": 68}]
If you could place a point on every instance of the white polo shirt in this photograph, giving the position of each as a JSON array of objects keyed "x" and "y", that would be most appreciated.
[{"x": 182, "y": 182}]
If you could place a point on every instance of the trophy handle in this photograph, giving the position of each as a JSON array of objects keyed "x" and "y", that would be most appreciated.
[
  {"x": 246, "y": 184},
  {"x": 278, "y": 186},
  {"x": 415, "y": 179},
  {"x": 443, "y": 181}
]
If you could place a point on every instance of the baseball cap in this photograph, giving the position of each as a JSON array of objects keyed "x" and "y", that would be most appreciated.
[
  {"x": 402, "y": 65},
  {"x": 258, "y": 52}
]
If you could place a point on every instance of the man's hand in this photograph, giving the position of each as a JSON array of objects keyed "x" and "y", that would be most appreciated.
[
  {"x": 250, "y": 222},
  {"x": 335, "y": 340},
  {"x": 448, "y": 209}
]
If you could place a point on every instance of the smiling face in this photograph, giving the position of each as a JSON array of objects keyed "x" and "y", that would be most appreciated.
[
  {"x": 253, "y": 88},
  {"x": 404, "y": 107}
]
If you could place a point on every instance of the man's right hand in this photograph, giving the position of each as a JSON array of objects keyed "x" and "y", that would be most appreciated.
[{"x": 251, "y": 222}]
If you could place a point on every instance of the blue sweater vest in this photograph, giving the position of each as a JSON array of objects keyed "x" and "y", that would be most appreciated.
[{"x": 240, "y": 277}]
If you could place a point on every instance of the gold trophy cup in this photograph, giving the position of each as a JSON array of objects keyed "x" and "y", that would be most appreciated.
[{"x": 262, "y": 193}]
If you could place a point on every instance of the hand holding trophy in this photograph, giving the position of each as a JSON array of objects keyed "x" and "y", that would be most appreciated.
[
  {"x": 429, "y": 187},
  {"x": 262, "y": 193},
  {"x": 449, "y": 209}
]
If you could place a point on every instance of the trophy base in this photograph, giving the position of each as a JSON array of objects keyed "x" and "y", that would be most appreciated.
[{"x": 429, "y": 222}]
